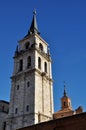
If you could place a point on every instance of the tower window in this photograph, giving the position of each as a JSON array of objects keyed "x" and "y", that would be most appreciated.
[
  {"x": 39, "y": 62},
  {"x": 16, "y": 110},
  {"x": 27, "y": 45},
  {"x": 28, "y": 61},
  {"x": 17, "y": 87},
  {"x": 40, "y": 46},
  {"x": 27, "y": 108},
  {"x": 4, "y": 126},
  {"x": 33, "y": 45},
  {"x": 45, "y": 67},
  {"x": 28, "y": 84},
  {"x": 64, "y": 103},
  {"x": 21, "y": 65}
]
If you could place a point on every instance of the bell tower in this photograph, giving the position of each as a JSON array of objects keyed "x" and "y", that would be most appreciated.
[
  {"x": 31, "y": 99},
  {"x": 65, "y": 101},
  {"x": 66, "y": 107}
]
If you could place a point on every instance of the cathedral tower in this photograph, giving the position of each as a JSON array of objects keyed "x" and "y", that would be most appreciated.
[{"x": 31, "y": 99}]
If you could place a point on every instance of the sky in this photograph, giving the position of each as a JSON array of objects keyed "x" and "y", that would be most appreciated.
[{"x": 63, "y": 26}]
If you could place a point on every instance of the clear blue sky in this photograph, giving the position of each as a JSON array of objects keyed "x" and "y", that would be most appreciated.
[{"x": 62, "y": 24}]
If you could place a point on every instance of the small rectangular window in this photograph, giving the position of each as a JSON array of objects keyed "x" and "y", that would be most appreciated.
[
  {"x": 17, "y": 87},
  {"x": 4, "y": 126},
  {"x": 28, "y": 84},
  {"x": 16, "y": 110},
  {"x": 27, "y": 108}
]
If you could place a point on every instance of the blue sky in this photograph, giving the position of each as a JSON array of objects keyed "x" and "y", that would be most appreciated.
[{"x": 63, "y": 25}]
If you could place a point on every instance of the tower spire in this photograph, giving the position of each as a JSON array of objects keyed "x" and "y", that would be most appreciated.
[
  {"x": 65, "y": 93},
  {"x": 34, "y": 27}
]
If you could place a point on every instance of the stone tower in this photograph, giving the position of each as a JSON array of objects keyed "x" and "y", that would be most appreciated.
[{"x": 31, "y": 99}]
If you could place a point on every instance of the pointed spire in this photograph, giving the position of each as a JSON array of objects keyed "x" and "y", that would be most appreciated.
[
  {"x": 16, "y": 52},
  {"x": 65, "y": 94},
  {"x": 34, "y": 27}
]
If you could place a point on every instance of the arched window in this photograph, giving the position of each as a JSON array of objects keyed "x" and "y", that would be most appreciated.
[
  {"x": 45, "y": 67},
  {"x": 28, "y": 61},
  {"x": 27, "y": 45},
  {"x": 33, "y": 45},
  {"x": 64, "y": 103},
  {"x": 21, "y": 65},
  {"x": 39, "y": 62},
  {"x": 40, "y": 46}
]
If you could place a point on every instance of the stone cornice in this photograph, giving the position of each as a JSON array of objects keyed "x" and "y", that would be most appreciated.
[{"x": 23, "y": 73}]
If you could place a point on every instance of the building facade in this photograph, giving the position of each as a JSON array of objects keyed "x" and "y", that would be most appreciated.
[
  {"x": 4, "y": 108},
  {"x": 32, "y": 86}
]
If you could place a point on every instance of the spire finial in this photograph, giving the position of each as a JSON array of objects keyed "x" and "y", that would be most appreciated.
[
  {"x": 34, "y": 12},
  {"x": 65, "y": 94}
]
